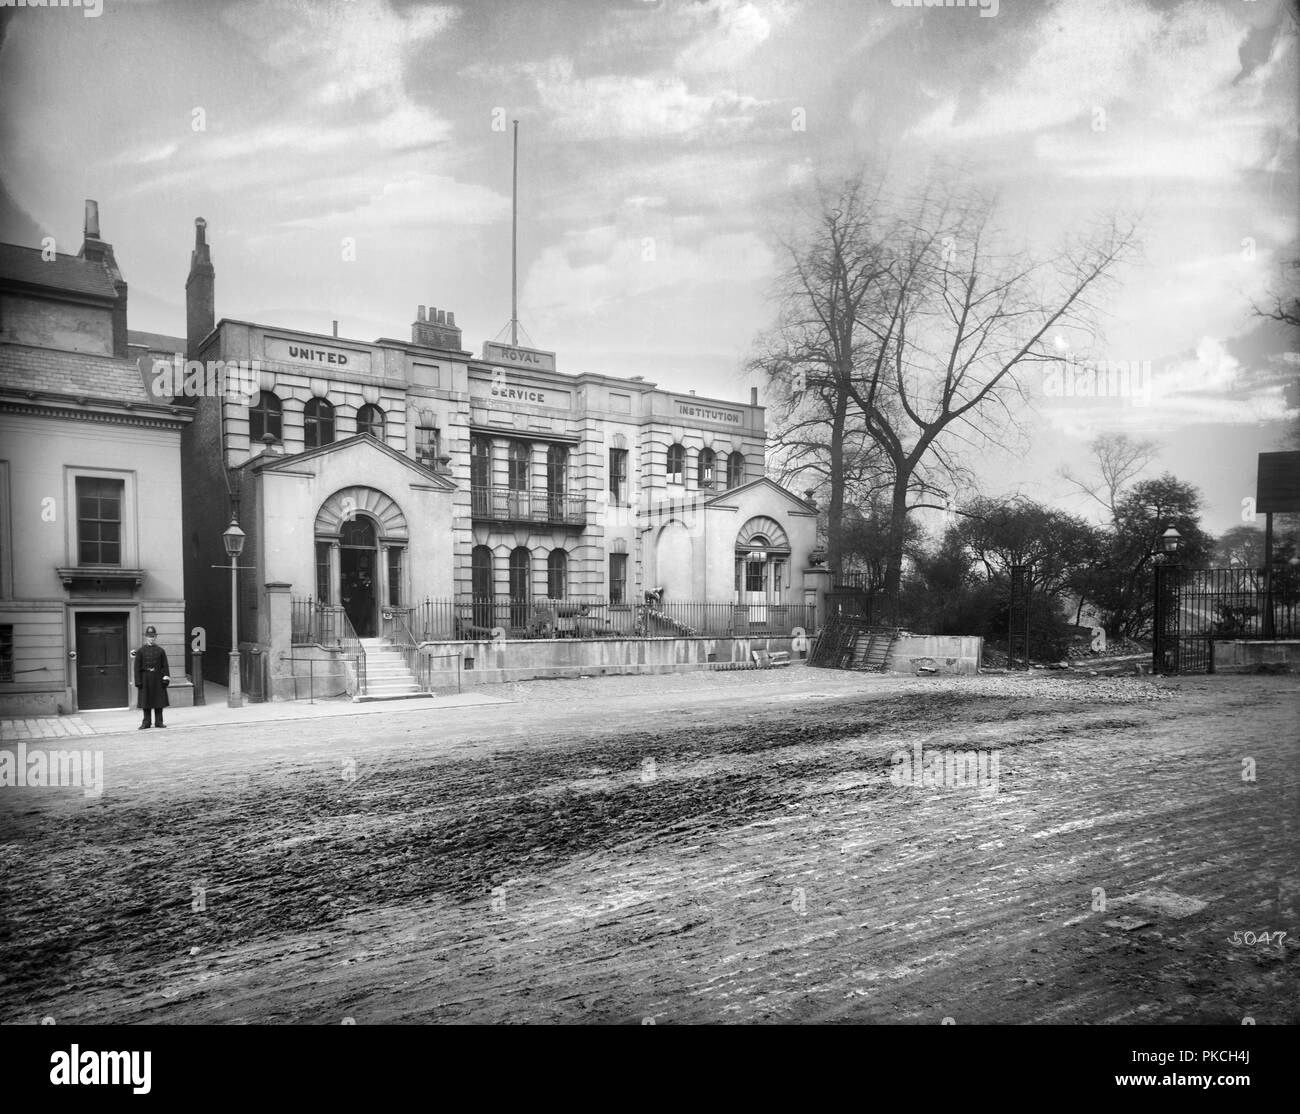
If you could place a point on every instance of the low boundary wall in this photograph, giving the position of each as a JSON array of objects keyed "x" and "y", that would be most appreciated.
[
  {"x": 489, "y": 662},
  {"x": 935, "y": 653},
  {"x": 1250, "y": 656}
]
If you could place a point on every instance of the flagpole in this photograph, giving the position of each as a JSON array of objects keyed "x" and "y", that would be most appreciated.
[{"x": 514, "y": 245}]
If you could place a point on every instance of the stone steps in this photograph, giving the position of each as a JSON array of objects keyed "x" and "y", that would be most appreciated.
[{"x": 387, "y": 677}]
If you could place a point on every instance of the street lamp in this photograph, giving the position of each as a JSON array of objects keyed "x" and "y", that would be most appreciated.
[
  {"x": 1169, "y": 542},
  {"x": 234, "y": 539},
  {"x": 1165, "y": 620}
]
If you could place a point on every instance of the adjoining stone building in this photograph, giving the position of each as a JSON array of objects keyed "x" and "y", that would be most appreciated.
[
  {"x": 372, "y": 476},
  {"x": 90, "y": 488}
]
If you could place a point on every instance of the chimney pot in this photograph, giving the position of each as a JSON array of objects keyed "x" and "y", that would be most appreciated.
[
  {"x": 336, "y": 328},
  {"x": 451, "y": 320},
  {"x": 419, "y": 316},
  {"x": 753, "y": 396},
  {"x": 442, "y": 317},
  {"x": 92, "y": 219}
]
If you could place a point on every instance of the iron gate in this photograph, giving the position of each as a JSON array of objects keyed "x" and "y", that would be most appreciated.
[{"x": 1194, "y": 608}]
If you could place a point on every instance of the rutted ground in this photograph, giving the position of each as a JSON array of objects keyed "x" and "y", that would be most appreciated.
[{"x": 715, "y": 848}]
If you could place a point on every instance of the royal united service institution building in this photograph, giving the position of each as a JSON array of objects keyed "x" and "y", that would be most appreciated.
[{"x": 374, "y": 477}]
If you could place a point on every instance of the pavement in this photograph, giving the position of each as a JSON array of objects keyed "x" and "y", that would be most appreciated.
[{"x": 216, "y": 712}]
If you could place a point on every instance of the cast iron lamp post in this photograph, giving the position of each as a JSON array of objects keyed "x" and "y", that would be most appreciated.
[
  {"x": 234, "y": 539},
  {"x": 1165, "y": 621}
]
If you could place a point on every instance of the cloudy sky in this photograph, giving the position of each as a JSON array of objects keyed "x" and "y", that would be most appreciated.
[{"x": 352, "y": 159}]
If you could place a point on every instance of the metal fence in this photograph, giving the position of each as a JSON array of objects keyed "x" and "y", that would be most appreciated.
[
  {"x": 1197, "y": 607},
  {"x": 317, "y": 624},
  {"x": 447, "y": 620}
]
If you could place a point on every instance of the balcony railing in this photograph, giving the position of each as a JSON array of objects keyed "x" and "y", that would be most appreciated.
[{"x": 503, "y": 504}]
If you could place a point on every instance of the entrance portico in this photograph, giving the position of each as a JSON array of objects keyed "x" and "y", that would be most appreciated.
[{"x": 362, "y": 540}]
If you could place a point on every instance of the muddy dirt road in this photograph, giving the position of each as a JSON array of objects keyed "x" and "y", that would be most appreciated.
[{"x": 742, "y": 847}]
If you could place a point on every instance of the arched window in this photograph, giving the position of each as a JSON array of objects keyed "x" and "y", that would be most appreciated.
[
  {"x": 370, "y": 419},
  {"x": 676, "y": 463},
  {"x": 557, "y": 575},
  {"x": 735, "y": 469},
  {"x": 704, "y": 468},
  {"x": 266, "y": 416},
  {"x": 318, "y": 423},
  {"x": 482, "y": 590},
  {"x": 520, "y": 572}
]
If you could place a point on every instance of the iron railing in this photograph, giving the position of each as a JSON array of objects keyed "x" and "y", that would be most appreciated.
[
  {"x": 417, "y": 664},
  {"x": 312, "y": 663},
  {"x": 1194, "y": 608},
  {"x": 447, "y": 620},
  {"x": 498, "y": 503},
  {"x": 317, "y": 624}
]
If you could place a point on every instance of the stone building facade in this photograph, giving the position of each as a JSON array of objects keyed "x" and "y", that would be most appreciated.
[
  {"x": 371, "y": 475},
  {"x": 90, "y": 488}
]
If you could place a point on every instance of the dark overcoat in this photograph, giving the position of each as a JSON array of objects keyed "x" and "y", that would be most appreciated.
[{"x": 150, "y": 669}]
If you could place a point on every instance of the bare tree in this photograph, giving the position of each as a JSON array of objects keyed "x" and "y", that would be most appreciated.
[
  {"x": 1118, "y": 459},
  {"x": 905, "y": 331},
  {"x": 972, "y": 319},
  {"x": 818, "y": 352}
]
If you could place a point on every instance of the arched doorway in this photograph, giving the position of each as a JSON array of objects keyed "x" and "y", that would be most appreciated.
[
  {"x": 358, "y": 571},
  {"x": 762, "y": 560},
  {"x": 361, "y": 546}
]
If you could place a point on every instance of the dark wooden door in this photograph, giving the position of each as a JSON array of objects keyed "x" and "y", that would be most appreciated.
[{"x": 102, "y": 661}]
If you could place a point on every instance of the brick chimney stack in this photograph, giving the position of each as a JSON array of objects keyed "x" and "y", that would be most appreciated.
[
  {"x": 95, "y": 250},
  {"x": 436, "y": 329},
  {"x": 200, "y": 291}
]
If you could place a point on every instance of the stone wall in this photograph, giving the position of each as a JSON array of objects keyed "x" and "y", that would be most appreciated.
[
  {"x": 1240, "y": 656},
  {"x": 491, "y": 662}
]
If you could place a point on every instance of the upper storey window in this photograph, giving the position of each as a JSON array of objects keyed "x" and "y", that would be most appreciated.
[
  {"x": 704, "y": 468},
  {"x": 266, "y": 416},
  {"x": 370, "y": 419},
  {"x": 676, "y": 463},
  {"x": 318, "y": 423},
  {"x": 736, "y": 469}
]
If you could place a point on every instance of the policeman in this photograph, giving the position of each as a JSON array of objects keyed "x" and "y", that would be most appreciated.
[{"x": 152, "y": 677}]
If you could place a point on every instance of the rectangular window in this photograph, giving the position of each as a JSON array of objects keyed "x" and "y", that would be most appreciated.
[
  {"x": 778, "y": 574},
  {"x": 618, "y": 475},
  {"x": 322, "y": 572},
  {"x": 99, "y": 521},
  {"x": 520, "y": 457},
  {"x": 427, "y": 449},
  {"x": 754, "y": 575},
  {"x": 617, "y": 577},
  {"x": 6, "y": 653},
  {"x": 394, "y": 576}
]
